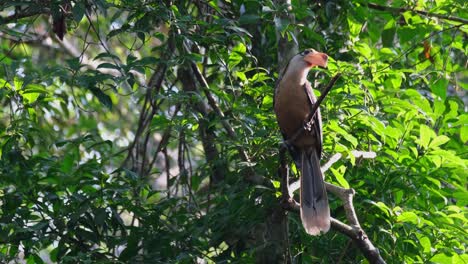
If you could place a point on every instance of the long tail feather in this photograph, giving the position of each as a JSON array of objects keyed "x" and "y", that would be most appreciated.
[{"x": 315, "y": 212}]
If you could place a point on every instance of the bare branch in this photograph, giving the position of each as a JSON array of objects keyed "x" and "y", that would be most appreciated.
[
  {"x": 346, "y": 195},
  {"x": 214, "y": 105},
  {"x": 207, "y": 136},
  {"x": 358, "y": 154},
  {"x": 360, "y": 239},
  {"x": 149, "y": 109},
  {"x": 353, "y": 230}
]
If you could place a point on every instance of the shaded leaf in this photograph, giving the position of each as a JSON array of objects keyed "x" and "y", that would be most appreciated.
[{"x": 102, "y": 97}]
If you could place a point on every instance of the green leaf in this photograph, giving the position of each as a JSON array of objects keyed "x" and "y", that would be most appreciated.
[
  {"x": 4, "y": 84},
  {"x": 354, "y": 27},
  {"x": 394, "y": 81},
  {"x": 131, "y": 249},
  {"x": 248, "y": 19},
  {"x": 364, "y": 50},
  {"x": 351, "y": 139},
  {"x": 215, "y": 6},
  {"x": 241, "y": 75},
  {"x": 333, "y": 125},
  {"x": 439, "y": 108},
  {"x": 439, "y": 140},
  {"x": 53, "y": 254},
  {"x": 106, "y": 55},
  {"x": 31, "y": 97},
  {"x": 423, "y": 66},
  {"x": 159, "y": 122},
  {"x": 79, "y": 10},
  {"x": 419, "y": 100},
  {"x": 436, "y": 182},
  {"x": 439, "y": 87},
  {"x": 441, "y": 258},
  {"x": 68, "y": 162},
  {"x": 196, "y": 57},
  {"x": 118, "y": 31},
  {"x": 425, "y": 135},
  {"x": 267, "y": 100},
  {"x": 408, "y": 217},
  {"x": 74, "y": 64},
  {"x": 393, "y": 132},
  {"x": 383, "y": 207},
  {"x": 464, "y": 133},
  {"x": 102, "y": 97},
  {"x": 148, "y": 61},
  {"x": 108, "y": 66},
  {"x": 399, "y": 196},
  {"x": 237, "y": 54},
  {"x": 100, "y": 216},
  {"x": 34, "y": 259},
  {"x": 18, "y": 83},
  {"x": 32, "y": 92},
  {"x": 339, "y": 173},
  {"x": 388, "y": 34}
]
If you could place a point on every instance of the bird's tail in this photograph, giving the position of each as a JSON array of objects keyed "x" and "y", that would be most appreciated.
[{"x": 315, "y": 212}]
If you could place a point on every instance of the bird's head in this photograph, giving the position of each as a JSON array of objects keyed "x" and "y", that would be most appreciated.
[
  {"x": 300, "y": 64},
  {"x": 313, "y": 58}
]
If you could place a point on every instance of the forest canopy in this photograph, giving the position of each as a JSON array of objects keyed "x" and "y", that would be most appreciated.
[{"x": 144, "y": 131}]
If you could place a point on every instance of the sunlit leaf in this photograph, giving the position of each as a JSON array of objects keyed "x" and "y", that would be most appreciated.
[
  {"x": 339, "y": 173},
  {"x": 464, "y": 133},
  {"x": 425, "y": 135},
  {"x": 439, "y": 87},
  {"x": 409, "y": 217}
]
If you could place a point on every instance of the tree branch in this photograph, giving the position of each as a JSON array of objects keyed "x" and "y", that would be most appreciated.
[
  {"x": 358, "y": 154},
  {"x": 207, "y": 136},
  {"x": 360, "y": 239},
  {"x": 286, "y": 48},
  {"x": 29, "y": 12},
  {"x": 353, "y": 230},
  {"x": 420, "y": 12}
]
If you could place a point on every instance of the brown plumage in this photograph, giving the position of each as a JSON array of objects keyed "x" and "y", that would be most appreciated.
[{"x": 293, "y": 101}]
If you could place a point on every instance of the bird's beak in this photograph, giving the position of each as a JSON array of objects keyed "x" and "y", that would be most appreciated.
[{"x": 317, "y": 59}]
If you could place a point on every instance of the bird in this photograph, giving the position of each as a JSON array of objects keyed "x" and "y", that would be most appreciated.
[{"x": 293, "y": 101}]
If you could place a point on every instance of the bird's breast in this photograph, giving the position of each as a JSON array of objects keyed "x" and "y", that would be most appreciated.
[{"x": 292, "y": 107}]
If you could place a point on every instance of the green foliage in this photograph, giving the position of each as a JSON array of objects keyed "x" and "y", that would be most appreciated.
[{"x": 81, "y": 181}]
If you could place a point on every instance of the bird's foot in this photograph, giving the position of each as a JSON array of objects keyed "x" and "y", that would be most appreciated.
[{"x": 308, "y": 125}]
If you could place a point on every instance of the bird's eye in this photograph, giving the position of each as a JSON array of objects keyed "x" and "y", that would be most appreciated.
[{"x": 305, "y": 52}]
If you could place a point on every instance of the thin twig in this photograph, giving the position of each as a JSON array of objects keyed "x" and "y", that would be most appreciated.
[
  {"x": 315, "y": 107},
  {"x": 29, "y": 12},
  {"x": 420, "y": 12},
  {"x": 325, "y": 92}
]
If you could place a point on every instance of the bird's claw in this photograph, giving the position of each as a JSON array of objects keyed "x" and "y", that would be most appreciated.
[{"x": 308, "y": 126}]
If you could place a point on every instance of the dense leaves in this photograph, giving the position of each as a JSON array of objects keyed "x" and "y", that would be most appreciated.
[{"x": 142, "y": 136}]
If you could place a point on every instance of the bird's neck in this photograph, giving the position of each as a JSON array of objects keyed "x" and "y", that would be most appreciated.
[
  {"x": 297, "y": 74},
  {"x": 303, "y": 76},
  {"x": 300, "y": 76}
]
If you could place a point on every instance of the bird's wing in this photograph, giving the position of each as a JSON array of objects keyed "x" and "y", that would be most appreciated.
[{"x": 317, "y": 126}]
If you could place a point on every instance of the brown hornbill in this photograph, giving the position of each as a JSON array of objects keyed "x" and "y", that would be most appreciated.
[{"x": 293, "y": 101}]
